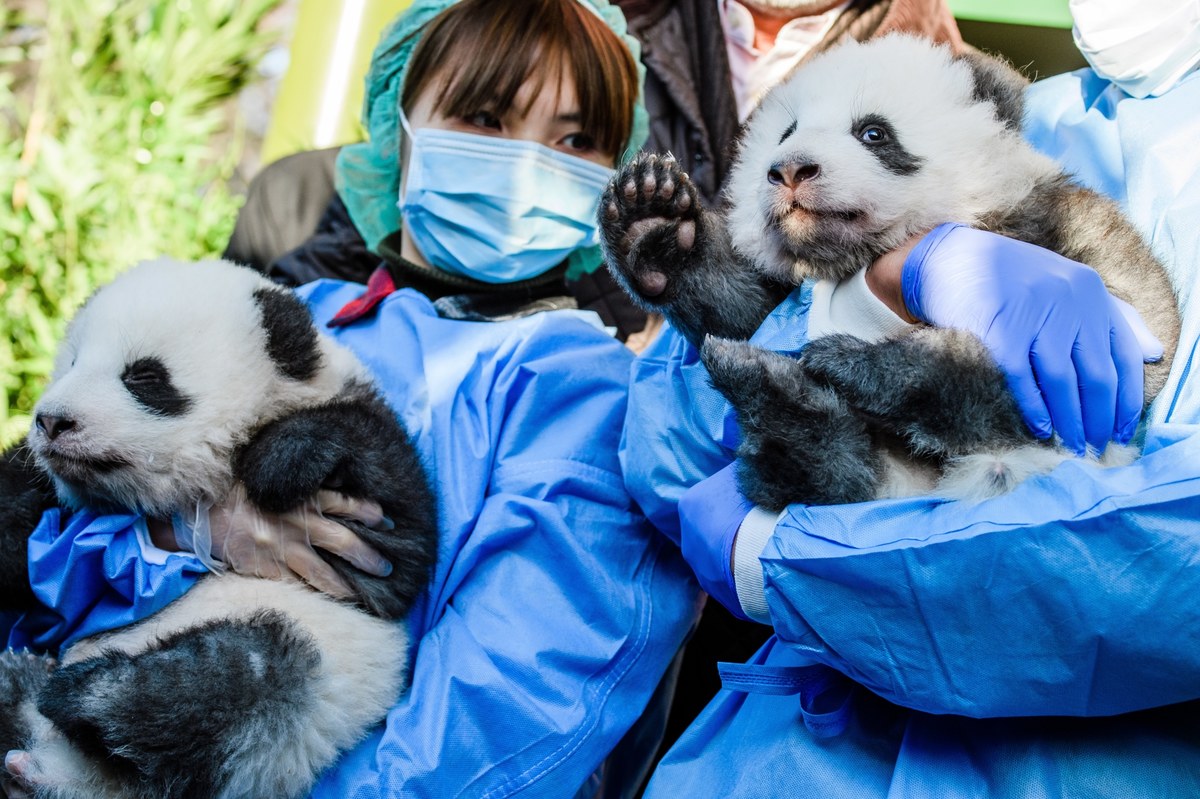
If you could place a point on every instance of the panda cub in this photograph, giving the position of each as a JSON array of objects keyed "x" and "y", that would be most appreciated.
[
  {"x": 174, "y": 382},
  {"x": 856, "y": 152}
]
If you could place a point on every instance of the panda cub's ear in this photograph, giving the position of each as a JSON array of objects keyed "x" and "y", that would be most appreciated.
[
  {"x": 998, "y": 83},
  {"x": 292, "y": 343}
]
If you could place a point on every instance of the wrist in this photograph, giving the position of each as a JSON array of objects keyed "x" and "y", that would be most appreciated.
[
  {"x": 885, "y": 279},
  {"x": 162, "y": 534}
]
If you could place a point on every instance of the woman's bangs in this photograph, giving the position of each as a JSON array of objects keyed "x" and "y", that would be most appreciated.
[
  {"x": 481, "y": 52},
  {"x": 605, "y": 80}
]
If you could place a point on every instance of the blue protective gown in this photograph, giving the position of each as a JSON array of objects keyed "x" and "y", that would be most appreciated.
[
  {"x": 976, "y": 631},
  {"x": 554, "y": 609}
]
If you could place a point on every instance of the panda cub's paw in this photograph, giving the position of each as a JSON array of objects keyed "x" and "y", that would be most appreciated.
[{"x": 649, "y": 215}]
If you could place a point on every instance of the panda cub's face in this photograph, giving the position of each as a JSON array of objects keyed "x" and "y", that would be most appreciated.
[
  {"x": 867, "y": 145},
  {"x": 162, "y": 374}
]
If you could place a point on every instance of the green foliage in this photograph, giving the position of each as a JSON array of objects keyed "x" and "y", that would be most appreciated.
[{"x": 116, "y": 143}]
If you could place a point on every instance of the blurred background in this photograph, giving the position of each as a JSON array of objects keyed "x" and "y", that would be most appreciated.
[{"x": 131, "y": 128}]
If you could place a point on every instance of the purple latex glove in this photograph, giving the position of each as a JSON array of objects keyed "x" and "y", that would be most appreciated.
[
  {"x": 710, "y": 513},
  {"x": 1072, "y": 352}
]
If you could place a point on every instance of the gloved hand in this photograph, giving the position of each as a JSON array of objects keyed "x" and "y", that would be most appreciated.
[
  {"x": 1072, "y": 353},
  {"x": 710, "y": 513},
  {"x": 237, "y": 535}
]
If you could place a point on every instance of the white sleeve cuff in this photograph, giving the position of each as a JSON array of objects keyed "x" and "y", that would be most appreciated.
[
  {"x": 851, "y": 307},
  {"x": 756, "y": 529}
]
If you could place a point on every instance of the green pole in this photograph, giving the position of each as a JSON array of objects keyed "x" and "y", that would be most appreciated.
[
  {"x": 1043, "y": 13},
  {"x": 321, "y": 94}
]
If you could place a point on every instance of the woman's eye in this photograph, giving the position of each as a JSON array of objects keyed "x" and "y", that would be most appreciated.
[
  {"x": 482, "y": 119},
  {"x": 873, "y": 134},
  {"x": 580, "y": 142}
]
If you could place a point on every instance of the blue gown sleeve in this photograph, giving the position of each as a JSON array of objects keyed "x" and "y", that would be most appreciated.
[
  {"x": 93, "y": 572},
  {"x": 555, "y": 609}
]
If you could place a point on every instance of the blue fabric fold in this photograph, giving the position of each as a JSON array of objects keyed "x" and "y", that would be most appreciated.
[{"x": 93, "y": 573}]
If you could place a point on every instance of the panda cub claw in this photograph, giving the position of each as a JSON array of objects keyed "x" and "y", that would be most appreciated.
[{"x": 651, "y": 208}]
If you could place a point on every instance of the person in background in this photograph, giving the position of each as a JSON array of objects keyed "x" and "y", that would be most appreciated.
[
  {"x": 1038, "y": 644},
  {"x": 554, "y": 610}
]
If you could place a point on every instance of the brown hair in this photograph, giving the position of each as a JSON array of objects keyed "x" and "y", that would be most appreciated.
[{"x": 484, "y": 50}]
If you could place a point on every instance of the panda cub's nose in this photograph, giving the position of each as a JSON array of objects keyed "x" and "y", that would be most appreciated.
[
  {"x": 792, "y": 174},
  {"x": 54, "y": 426}
]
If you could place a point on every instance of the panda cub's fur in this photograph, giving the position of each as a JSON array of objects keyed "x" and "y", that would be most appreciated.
[
  {"x": 175, "y": 381},
  {"x": 864, "y": 147}
]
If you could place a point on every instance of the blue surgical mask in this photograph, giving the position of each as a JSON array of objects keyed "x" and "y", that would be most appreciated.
[{"x": 494, "y": 209}]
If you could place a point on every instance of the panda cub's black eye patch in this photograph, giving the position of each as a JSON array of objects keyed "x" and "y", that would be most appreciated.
[
  {"x": 149, "y": 382},
  {"x": 875, "y": 133}
]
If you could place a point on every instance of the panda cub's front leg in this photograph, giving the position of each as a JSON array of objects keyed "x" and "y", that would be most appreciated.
[
  {"x": 675, "y": 257},
  {"x": 356, "y": 445}
]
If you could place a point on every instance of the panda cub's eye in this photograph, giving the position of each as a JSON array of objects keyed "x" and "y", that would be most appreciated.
[
  {"x": 144, "y": 371},
  {"x": 149, "y": 382},
  {"x": 873, "y": 134}
]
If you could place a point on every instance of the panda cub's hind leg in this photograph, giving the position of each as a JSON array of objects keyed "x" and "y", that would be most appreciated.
[
  {"x": 801, "y": 442},
  {"x": 940, "y": 391},
  {"x": 674, "y": 257},
  {"x": 937, "y": 388},
  {"x": 207, "y": 710}
]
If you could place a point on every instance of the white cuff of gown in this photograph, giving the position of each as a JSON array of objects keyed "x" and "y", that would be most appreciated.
[
  {"x": 851, "y": 307},
  {"x": 756, "y": 529}
]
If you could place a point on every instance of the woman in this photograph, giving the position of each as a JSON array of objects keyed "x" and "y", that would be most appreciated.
[{"x": 554, "y": 610}]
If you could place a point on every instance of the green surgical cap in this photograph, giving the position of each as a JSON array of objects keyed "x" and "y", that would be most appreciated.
[{"x": 368, "y": 173}]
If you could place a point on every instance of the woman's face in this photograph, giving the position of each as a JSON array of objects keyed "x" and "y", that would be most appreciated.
[{"x": 553, "y": 120}]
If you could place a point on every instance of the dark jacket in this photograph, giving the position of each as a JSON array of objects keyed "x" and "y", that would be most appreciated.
[{"x": 689, "y": 93}]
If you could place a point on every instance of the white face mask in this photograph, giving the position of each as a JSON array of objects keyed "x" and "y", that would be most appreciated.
[{"x": 1144, "y": 47}]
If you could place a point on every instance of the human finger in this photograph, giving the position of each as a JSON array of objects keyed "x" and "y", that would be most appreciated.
[
  {"x": 1129, "y": 356},
  {"x": 1025, "y": 390},
  {"x": 1059, "y": 384},
  {"x": 338, "y": 539},
  {"x": 309, "y": 566},
  {"x": 1092, "y": 357},
  {"x": 367, "y": 511},
  {"x": 1150, "y": 347}
]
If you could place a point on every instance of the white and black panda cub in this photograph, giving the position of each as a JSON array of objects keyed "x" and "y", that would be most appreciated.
[
  {"x": 862, "y": 148},
  {"x": 174, "y": 381}
]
